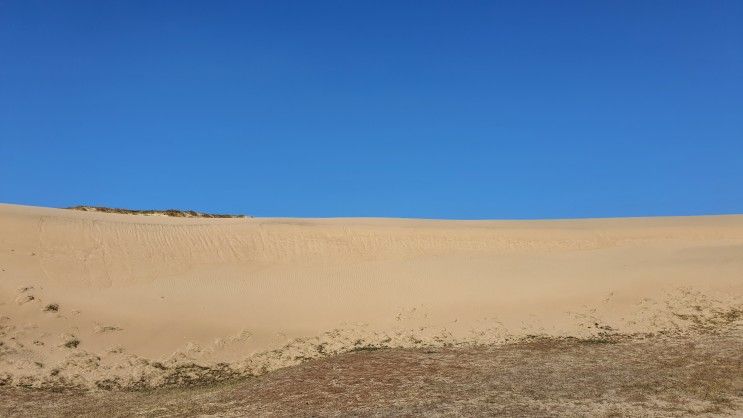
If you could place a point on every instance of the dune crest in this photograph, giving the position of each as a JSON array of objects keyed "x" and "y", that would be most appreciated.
[
  {"x": 176, "y": 213},
  {"x": 109, "y": 300}
]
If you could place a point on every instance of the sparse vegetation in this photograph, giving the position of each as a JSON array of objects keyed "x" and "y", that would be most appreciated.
[
  {"x": 72, "y": 343},
  {"x": 107, "y": 328},
  {"x": 366, "y": 348},
  {"x": 542, "y": 376},
  {"x": 52, "y": 307},
  {"x": 176, "y": 213}
]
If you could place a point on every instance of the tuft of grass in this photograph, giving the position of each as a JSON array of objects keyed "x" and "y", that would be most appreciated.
[
  {"x": 52, "y": 307},
  {"x": 73, "y": 343}
]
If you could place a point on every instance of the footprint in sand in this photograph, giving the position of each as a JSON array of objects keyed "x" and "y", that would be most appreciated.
[
  {"x": 24, "y": 296},
  {"x": 22, "y": 299}
]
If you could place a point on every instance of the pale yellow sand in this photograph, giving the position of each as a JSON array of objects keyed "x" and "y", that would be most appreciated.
[{"x": 142, "y": 296}]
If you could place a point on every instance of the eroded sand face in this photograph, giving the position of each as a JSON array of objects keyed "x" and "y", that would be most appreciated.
[{"x": 106, "y": 300}]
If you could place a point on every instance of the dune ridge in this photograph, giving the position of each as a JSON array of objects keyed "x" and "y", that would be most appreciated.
[
  {"x": 176, "y": 213},
  {"x": 107, "y": 300}
]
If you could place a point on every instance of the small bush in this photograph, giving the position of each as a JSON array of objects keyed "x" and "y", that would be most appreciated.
[{"x": 73, "y": 343}]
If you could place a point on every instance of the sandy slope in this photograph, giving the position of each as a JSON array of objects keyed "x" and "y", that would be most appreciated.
[{"x": 149, "y": 300}]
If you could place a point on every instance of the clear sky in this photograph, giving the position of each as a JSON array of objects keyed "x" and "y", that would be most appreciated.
[{"x": 456, "y": 109}]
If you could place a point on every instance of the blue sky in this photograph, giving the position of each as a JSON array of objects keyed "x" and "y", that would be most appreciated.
[{"x": 455, "y": 109}]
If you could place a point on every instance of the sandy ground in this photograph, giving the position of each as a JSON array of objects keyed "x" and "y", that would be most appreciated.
[{"x": 109, "y": 301}]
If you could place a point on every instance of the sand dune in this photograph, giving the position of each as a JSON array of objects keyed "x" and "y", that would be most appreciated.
[{"x": 107, "y": 300}]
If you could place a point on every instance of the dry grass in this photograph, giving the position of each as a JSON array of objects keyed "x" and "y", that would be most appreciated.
[
  {"x": 168, "y": 212},
  {"x": 658, "y": 376},
  {"x": 72, "y": 343},
  {"x": 52, "y": 307}
]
